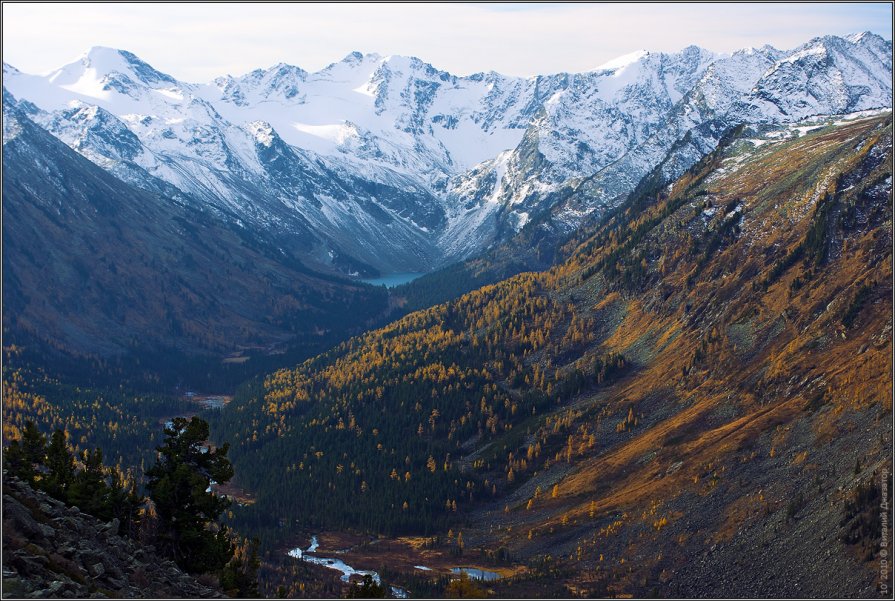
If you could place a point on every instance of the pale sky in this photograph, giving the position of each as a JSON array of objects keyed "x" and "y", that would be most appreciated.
[{"x": 198, "y": 42}]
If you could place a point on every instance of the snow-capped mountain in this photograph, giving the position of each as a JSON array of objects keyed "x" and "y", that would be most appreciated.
[
  {"x": 92, "y": 264},
  {"x": 386, "y": 162}
]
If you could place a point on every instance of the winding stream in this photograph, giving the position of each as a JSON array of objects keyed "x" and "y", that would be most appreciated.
[
  {"x": 341, "y": 566},
  {"x": 348, "y": 571}
]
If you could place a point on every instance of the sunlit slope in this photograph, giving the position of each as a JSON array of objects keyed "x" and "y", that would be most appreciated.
[
  {"x": 716, "y": 356},
  {"x": 759, "y": 313}
]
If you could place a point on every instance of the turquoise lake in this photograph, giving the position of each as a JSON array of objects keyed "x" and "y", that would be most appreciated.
[{"x": 393, "y": 279}]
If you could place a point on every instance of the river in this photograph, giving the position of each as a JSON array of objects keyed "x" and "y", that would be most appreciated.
[
  {"x": 348, "y": 571},
  {"x": 341, "y": 566}
]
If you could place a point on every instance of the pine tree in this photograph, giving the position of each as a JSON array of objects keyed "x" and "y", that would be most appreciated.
[
  {"x": 124, "y": 503},
  {"x": 88, "y": 490},
  {"x": 21, "y": 458},
  {"x": 94, "y": 489},
  {"x": 34, "y": 443},
  {"x": 61, "y": 466},
  {"x": 187, "y": 510},
  {"x": 16, "y": 464}
]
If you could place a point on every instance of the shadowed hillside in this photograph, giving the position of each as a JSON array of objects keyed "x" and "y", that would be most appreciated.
[{"x": 95, "y": 267}]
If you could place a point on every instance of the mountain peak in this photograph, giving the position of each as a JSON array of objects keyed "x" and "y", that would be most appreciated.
[
  {"x": 281, "y": 72},
  {"x": 284, "y": 67},
  {"x": 262, "y": 132},
  {"x": 623, "y": 61},
  {"x": 281, "y": 78},
  {"x": 856, "y": 38},
  {"x": 105, "y": 61},
  {"x": 99, "y": 52},
  {"x": 835, "y": 41},
  {"x": 354, "y": 58}
]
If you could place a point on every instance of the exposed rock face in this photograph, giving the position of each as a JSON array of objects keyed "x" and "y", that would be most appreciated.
[{"x": 52, "y": 551}]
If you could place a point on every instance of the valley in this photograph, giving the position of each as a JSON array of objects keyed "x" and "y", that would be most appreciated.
[
  {"x": 692, "y": 389},
  {"x": 618, "y": 333}
]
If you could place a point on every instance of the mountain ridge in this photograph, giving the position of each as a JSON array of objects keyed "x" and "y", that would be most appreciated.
[
  {"x": 410, "y": 168},
  {"x": 457, "y": 163},
  {"x": 121, "y": 267}
]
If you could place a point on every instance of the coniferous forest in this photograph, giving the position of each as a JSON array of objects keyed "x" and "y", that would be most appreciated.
[{"x": 374, "y": 329}]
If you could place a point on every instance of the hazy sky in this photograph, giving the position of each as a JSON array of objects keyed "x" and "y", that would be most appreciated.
[{"x": 197, "y": 42}]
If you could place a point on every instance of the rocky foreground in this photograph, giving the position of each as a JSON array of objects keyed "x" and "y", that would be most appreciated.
[{"x": 51, "y": 551}]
